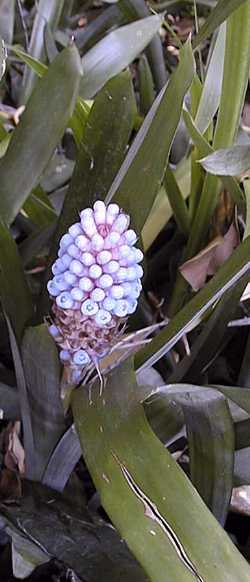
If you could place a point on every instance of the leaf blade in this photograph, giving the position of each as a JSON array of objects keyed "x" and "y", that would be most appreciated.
[
  {"x": 49, "y": 110},
  {"x": 221, "y": 12},
  {"x": 132, "y": 180},
  {"x": 115, "y": 52},
  {"x": 229, "y": 274},
  {"x": 124, "y": 476}
]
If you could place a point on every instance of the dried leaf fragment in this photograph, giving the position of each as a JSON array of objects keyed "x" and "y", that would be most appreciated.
[
  {"x": 15, "y": 456},
  {"x": 209, "y": 260}
]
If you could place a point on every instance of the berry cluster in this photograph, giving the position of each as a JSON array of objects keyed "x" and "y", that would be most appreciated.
[{"x": 96, "y": 283}]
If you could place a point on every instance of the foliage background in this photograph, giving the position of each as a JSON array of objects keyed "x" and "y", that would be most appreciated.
[{"x": 145, "y": 104}]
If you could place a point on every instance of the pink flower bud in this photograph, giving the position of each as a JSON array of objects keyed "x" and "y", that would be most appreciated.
[
  {"x": 103, "y": 317},
  {"x": 116, "y": 292},
  {"x": 89, "y": 307},
  {"x": 104, "y": 257},
  {"x": 88, "y": 259},
  {"x": 100, "y": 212},
  {"x": 75, "y": 229},
  {"x": 86, "y": 284},
  {"x": 105, "y": 281},
  {"x": 95, "y": 271},
  {"x": 97, "y": 295}
]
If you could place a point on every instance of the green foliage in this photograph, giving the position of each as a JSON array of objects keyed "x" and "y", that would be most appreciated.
[
  {"x": 140, "y": 176},
  {"x": 144, "y": 491},
  {"x": 49, "y": 110},
  {"x": 136, "y": 143}
]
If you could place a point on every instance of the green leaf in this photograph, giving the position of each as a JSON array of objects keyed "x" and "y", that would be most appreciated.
[
  {"x": 28, "y": 440},
  {"x": 221, "y": 12},
  {"x": 50, "y": 525},
  {"x": 147, "y": 92},
  {"x": 211, "y": 339},
  {"x": 152, "y": 515},
  {"x": 177, "y": 202},
  {"x": 141, "y": 173},
  {"x": 26, "y": 556},
  {"x": 7, "y": 9},
  {"x": 39, "y": 208},
  {"x": 42, "y": 373},
  {"x": 82, "y": 108},
  {"x": 35, "y": 65},
  {"x": 39, "y": 131},
  {"x": 205, "y": 149},
  {"x": 210, "y": 434},
  {"x": 3, "y": 58},
  {"x": 63, "y": 460},
  {"x": 247, "y": 196},
  {"x": 235, "y": 80},
  {"x": 233, "y": 161},
  {"x": 244, "y": 374},
  {"x": 229, "y": 274},
  {"x": 211, "y": 91},
  {"x": 57, "y": 173},
  {"x": 132, "y": 10},
  {"x": 164, "y": 416},
  {"x": 35, "y": 243},
  {"x": 90, "y": 34},
  {"x": 48, "y": 13},
  {"x": 14, "y": 290},
  {"x": 241, "y": 469},
  {"x": 236, "y": 394},
  {"x": 239, "y": 395},
  {"x": 4, "y": 143},
  {"x": 115, "y": 52},
  {"x": 161, "y": 210},
  {"x": 79, "y": 119},
  {"x": 242, "y": 433},
  {"x": 9, "y": 403}
]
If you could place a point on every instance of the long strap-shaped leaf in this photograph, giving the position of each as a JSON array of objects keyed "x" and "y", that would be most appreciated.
[
  {"x": 235, "y": 79},
  {"x": 40, "y": 129},
  {"x": 210, "y": 433},
  {"x": 145, "y": 493},
  {"x": 42, "y": 375},
  {"x": 231, "y": 272},
  {"x": 48, "y": 14},
  {"x": 139, "y": 179},
  {"x": 115, "y": 52},
  {"x": 15, "y": 295},
  {"x": 221, "y": 12}
]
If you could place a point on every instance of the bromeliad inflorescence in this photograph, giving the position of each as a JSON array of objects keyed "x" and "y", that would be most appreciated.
[{"x": 96, "y": 285}]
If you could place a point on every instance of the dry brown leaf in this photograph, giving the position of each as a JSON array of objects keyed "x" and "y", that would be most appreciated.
[
  {"x": 196, "y": 270},
  {"x": 209, "y": 260},
  {"x": 230, "y": 241},
  {"x": 15, "y": 456},
  {"x": 240, "y": 500}
]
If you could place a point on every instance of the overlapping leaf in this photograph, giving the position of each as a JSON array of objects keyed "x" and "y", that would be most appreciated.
[
  {"x": 115, "y": 52},
  {"x": 42, "y": 374},
  {"x": 139, "y": 178},
  {"x": 153, "y": 515},
  {"x": 39, "y": 131}
]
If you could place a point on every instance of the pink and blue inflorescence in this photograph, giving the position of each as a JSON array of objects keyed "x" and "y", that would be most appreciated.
[{"x": 96, "y": 280}]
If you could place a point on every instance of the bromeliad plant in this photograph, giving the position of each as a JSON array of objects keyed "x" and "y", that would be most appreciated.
[{"x": 70, "y": 282}]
